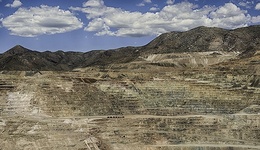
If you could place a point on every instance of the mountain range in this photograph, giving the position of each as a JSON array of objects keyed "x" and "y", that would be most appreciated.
[{"x": 245, "y": 41}]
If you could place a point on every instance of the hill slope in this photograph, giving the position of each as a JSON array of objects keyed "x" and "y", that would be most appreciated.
[
  {"x": 20, "y": 58},
  {"x": 202, "y": 39}
]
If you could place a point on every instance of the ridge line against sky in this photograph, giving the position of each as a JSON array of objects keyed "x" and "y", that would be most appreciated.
[{"x": 84, "y": 25}]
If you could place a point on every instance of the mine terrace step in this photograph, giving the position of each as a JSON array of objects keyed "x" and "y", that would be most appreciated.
[{"x": 6, "y": 87}]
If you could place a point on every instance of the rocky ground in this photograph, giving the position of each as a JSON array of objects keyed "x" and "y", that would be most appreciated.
[{"x": 185, "y": 101}]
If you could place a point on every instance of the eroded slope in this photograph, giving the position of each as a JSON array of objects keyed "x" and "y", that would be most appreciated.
[{"x": 132, "y": 106}]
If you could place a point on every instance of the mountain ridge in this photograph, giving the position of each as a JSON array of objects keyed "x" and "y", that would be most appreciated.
[
  {"x": 201, "y": 39},
  {"x": 205, "y": 39}
]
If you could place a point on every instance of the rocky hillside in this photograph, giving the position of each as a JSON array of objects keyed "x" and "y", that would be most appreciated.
[
  {"x": 202, "y": 39},
  {"x": 20, "y": 58}
]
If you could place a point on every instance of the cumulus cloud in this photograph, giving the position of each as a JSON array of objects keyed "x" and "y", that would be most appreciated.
[
  {"x": 16, "y": 3},
  {"x": 230, "y": 16},
  {"x": 257, "y": 7},
  {"x": 228, "y": 10},
  {"x": 41, "y": 20},
  {"x": 182, "y": 16}
]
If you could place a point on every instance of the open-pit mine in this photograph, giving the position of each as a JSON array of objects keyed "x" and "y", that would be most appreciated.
[{"x": 192, "y": 100}]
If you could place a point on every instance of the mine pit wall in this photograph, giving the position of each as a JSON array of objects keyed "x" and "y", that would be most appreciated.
[
  {"x": 177, "y": 98},
  {"x": 55, "y": 95},
  {"x": 51, "y": 95},
  {"x": 158, "y": 113},
  {"x": 189, "y": 132},
  {"x": 215, "y": 113},
  {"x": 191, "y": 59}
]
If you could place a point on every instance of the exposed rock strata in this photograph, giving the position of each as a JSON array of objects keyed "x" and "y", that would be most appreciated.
[
  {"x": 201, "y": 99},
  {"x": 123, "y": 108}
]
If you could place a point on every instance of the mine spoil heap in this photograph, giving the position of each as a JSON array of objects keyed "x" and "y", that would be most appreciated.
[{"x": 191, "y": 90}]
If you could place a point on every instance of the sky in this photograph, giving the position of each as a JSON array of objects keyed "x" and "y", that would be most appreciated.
[{"x": 84, "y": 25}]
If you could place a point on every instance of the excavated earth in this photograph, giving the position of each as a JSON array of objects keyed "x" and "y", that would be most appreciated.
[
  {"x": 194, "y": 90},
  {"x": 191, "y": 101}
]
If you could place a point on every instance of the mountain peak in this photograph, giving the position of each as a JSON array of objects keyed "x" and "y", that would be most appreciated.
[{"x": 18, "y": 49}]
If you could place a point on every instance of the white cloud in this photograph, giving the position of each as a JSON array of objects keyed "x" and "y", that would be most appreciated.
[
  {"x": 176, "y": 17},
  {"x": 148, "y": 1},
  {"x": 256, "y": 20},
  {"x": 257, "y": 7},
  {"x": 1, "y": 19},
  {"x": 154, "y": 9},
  {"x": 144, "y": 2},
  {"x": 228, "y": 10},
  {"x": 170, "y": 2},
  {"x": 140, "y": 4},
  {"x": 247, "y": 4},
  {"x": 41, "y": 20},
  {"x": 16, "y": 3},
  {"x": 94, "y": 3},
  {"x": 230, "y": 16}
]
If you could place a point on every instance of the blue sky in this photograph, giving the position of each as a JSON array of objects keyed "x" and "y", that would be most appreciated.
[{"x": 83, "y": 25}]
